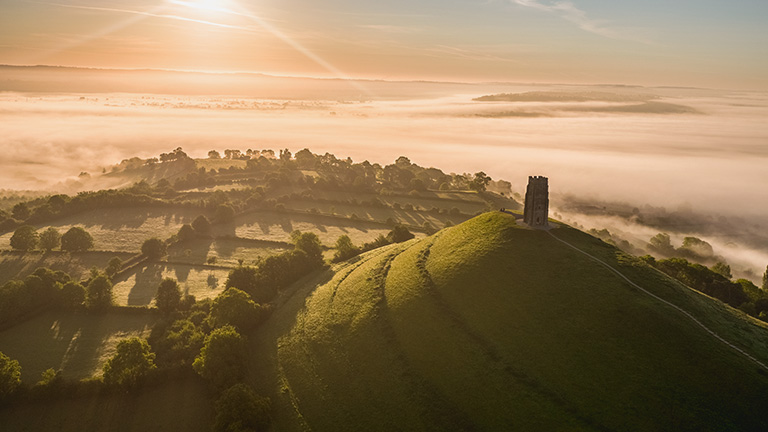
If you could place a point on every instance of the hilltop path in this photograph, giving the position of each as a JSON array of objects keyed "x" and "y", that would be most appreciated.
[{"x": 681, "y": 310}]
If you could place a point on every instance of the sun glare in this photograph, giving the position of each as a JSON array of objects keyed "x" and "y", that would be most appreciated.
[{"x": 209, "y": 5}]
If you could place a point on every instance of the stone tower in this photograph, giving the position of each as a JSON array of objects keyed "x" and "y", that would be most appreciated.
[{"x": 536, "y": 210}]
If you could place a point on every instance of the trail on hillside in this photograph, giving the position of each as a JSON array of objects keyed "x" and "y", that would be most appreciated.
[
  {"x": 489, "y": 350},
  {"x": 678, "y": 308}
]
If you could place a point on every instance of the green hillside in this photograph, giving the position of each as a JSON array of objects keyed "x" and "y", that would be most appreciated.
[{"x": 491, "y": 326}]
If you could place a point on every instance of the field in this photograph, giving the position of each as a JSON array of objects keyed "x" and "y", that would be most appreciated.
[
  {"x": 78, "y": 344},
  {"x": 489, "y": 326},
  {"x": 183, "y": 406},
  {"x": 16, "y": 265},
  {"x": 139, "y": 288},
  {"x": 121, "y": 230},
  {"x": 227, "y": 251},
  {"x": 275, "y": 226}
]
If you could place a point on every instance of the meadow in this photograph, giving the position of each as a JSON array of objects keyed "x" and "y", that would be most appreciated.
[{"x": 76, "y": 344}]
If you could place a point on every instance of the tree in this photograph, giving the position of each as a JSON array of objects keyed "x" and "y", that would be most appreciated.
[
  {"x": 243, "y": 278},
  {"x": 21, "y": 211},
  {"x": 24, "y": 238},
  {"x": 310, "y": 244},
  {"x": 213, "y": 154},
  {"x": 50, "y": 239},
  {"x": 222, "y": 358},
  {"x": 765, "y": 279},
  {"x": 132, "y": 361},
  {"x": 98, "y": 293},
  {"x": 723, "y": 269},
  {"x": 399, "y": 234},
  {"x": 480, "y": 182},
  {"x": 345, "y": 249},
  {"x": 698, "y": 247},
  {"x": 154, "y": 248},
  {"x": 168, "y": 296},
  {"x": 235, "y": 307},
  {"x": 201, "y": 225},
  {"x": 10, "y": 375},
  {"x": 72, "y": 295},
  {"x": 76, "y": 240},
  {"x": 660, "y": 243},
  {"x": 240, "y": 409},
  {"x": 113, "y": 266}
]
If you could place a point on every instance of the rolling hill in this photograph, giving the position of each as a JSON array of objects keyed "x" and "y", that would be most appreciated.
[{"x": 491, "y": 326}]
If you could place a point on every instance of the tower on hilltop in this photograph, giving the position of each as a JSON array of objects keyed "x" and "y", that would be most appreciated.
[{"x": 536, "y": 211}]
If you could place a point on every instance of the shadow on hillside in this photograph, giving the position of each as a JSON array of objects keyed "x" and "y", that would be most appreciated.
[{"x": 145, "y": 286}]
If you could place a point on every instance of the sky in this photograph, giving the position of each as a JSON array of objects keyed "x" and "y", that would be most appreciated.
[{"x": 703, "y": 43}]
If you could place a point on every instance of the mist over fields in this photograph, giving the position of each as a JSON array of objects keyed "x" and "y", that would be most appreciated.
[{"x": 704, "y": 150}]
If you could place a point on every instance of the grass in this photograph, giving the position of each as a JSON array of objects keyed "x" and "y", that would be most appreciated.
[
  {"x": 275, "y": 226},
  {"x": 491, "y": 326},
  {"x": 78, "y": 344},
  {"x": 15, "y": 265},
  {"x": 122, "y": 230},
  {"x": 140, "y": 287},
  {"x": 227, "y": 251},
  {"x": 183, "y": 405}
]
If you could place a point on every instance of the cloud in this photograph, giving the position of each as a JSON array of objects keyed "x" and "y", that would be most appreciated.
[{"x": 568, "y": 11}]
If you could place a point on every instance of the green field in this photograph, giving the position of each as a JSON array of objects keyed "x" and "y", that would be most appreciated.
[
  {"x": 122, "y": 230},
  {"x": 378, "y": 214},
  {"x": 275, "y": 226},
  {"x": 14, "y": 265},
  {"x": 227, "y": 251},
  {"x": 490, "y": 326},
  {"x": 183, "y": 406},
  {"x": 140, "y": 287},
  {"x": 77, "y": 344}
]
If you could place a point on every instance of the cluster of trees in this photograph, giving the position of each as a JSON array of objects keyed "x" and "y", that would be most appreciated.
[
  {"x": 716, "y": 282},
  {"x": 692, "y": 248},
  {"x": 276, "y": 272},
  {"x": 345, "y": 249},
  {"x": 45, "y": 288},
  {"x": 76, "y": 239}
]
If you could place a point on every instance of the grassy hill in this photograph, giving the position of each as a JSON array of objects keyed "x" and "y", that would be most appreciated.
[{"x": 491, "y": 326}]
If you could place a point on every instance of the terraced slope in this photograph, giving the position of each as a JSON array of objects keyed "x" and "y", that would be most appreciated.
[{"x": 491, "y": 326}]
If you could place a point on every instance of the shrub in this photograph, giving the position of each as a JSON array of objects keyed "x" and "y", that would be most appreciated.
[
  {"x": 399, "y": 234},
  {"x": 345, "y": 249}
]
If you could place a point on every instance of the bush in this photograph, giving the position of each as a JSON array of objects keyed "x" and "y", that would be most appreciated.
[
  {"x": 131, "y": 362},
  {"x": 24, "y": 238},
  {"x": 240, "y": 409},
  {"x": 72, "y": 295},
  {"x": 76, "y": 240}
]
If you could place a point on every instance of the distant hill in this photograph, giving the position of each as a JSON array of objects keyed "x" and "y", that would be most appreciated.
[
  {"x": 491, "y": 326},
  {"x": 560, "y": 96}
]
